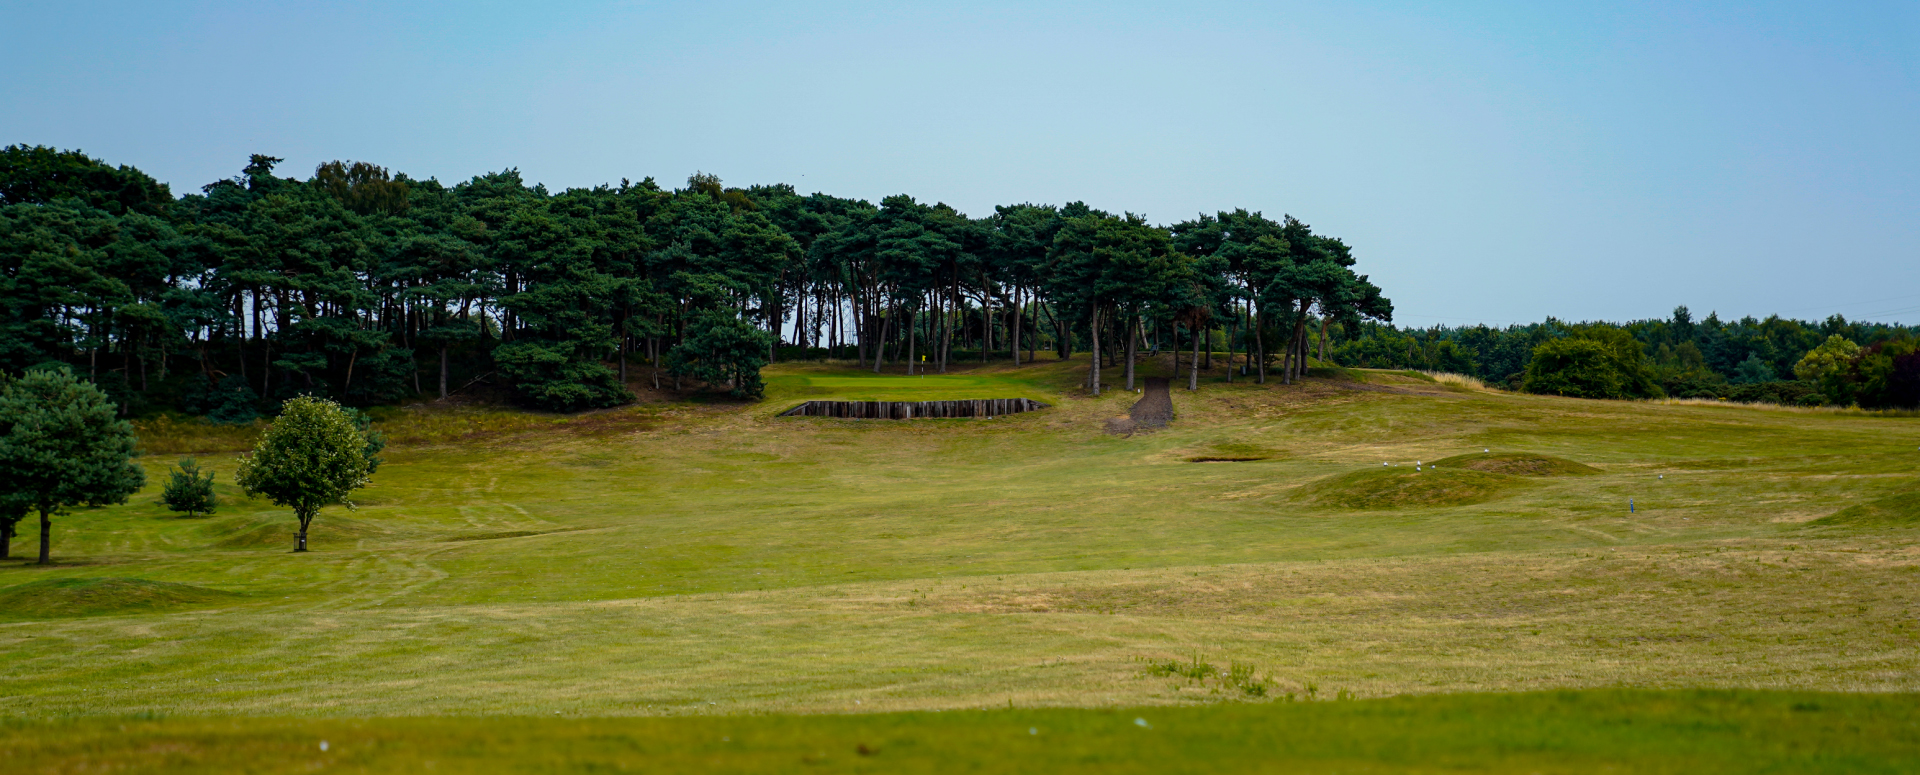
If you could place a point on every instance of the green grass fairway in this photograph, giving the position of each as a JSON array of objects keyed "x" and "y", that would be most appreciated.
[
  {"x": 711, "y": 559},
  {"x": 1695, "y": 733}
]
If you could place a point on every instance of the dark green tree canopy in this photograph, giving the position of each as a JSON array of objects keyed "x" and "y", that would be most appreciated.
[
  {"x": 40, "y": 175},
  {"x": 1593, "y": 362}
]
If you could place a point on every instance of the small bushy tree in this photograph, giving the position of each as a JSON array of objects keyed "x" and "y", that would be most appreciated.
[
  {"x": 1831, "y": 356},
  {"x": 313, "y": 455},
  {"x": 1596, "y": 362},
  {"x": 189, "y": 489},
  {"x": 61, "y": 446}
]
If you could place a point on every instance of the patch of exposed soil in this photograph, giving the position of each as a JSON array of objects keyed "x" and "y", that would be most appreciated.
[{"x": 1155, "y": 408}]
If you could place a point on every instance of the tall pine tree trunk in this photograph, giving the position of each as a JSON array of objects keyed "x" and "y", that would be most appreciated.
[
  {"x": 880, "y": 345},
  {"x": 1208, "y": 332},
  {"x": 1259, "y": 345},
  {"x": 1093, "y": 370},
  {"x": 1193, "y": 378},
  {"x": 1323, "y": 336},
  {"x": 1014, "y": 350},
  {"x": 1133, "y": 345},
  {"x": 1233, "y": 344},
  {"x": 46, "y": 536},
  {"x": 913, "y": 340}
]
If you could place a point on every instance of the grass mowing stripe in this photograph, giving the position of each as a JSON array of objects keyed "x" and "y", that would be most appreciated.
[{"x": 1694, "y": 732}]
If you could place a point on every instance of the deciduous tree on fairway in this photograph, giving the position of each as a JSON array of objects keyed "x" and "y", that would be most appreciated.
[
  {"x": 189, "y": 490},
  {"x": 314, "y": 455},
  {"x": 61, "y": 447}
]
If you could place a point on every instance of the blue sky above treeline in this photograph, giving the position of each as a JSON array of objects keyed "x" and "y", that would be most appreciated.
[{"x": 1490, "y": 162}]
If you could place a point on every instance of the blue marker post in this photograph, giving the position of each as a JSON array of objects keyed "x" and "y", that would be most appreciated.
[{"x": 1629, "y": 505}]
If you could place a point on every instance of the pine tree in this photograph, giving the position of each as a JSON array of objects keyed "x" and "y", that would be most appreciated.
[
  {"x": 60, "y": 447},
  {"x": 189, "y": 490}
]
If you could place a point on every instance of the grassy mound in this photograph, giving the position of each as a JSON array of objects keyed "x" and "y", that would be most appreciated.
[
  {"x": 1517, "y": 464},
  {"x": 329, "y": 528},
  {"x": 1402, "y": 487},
  {"x": 1898, "y": 510},
  {"x": 1233, "y": 452},
  {"x": 51, "y": 598}
]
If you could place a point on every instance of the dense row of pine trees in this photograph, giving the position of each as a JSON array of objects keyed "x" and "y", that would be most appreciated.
[{"x": 371, "y": 287}]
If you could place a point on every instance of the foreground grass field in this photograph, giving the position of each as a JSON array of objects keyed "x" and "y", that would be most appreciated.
[
  {"x": 1601, "y": 731},
  {"x": 679, "y": 558}
]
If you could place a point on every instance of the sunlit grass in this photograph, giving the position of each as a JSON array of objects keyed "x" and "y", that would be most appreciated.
[
  {"x": 1695, "y": 733},
  {"x": 680, "y": 558}
]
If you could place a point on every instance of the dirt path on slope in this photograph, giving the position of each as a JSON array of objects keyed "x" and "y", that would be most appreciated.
[{"x": 1155, "y": 408}]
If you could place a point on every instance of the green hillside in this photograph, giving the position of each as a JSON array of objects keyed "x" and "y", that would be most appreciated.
[{"x": 671, "y": 559}]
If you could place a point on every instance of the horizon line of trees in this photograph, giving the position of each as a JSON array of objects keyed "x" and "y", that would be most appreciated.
[
  {"x": 1776, "y": 360},
  {"x": 369, "y": 287}
]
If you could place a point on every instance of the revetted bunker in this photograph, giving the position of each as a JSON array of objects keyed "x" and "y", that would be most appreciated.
[{"x": 914, "y": 410}]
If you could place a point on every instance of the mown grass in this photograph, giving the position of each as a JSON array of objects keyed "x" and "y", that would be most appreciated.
[
  {"x": 64, "y": 597},
  {"x": 1560, "y": 732},
  {"x": 683, "y": 558},
  {"x": 1390, "y": 488}
]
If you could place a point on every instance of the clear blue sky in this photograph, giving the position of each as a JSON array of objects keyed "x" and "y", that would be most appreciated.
[{"x": 1489, "y": 162}]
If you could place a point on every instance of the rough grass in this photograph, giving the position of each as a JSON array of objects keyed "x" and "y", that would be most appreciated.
[
  {"x": 67, "y": 597},
  {"x": 1517, "y": 464},
  {"x": 1404, "y": 487},
  {"x": 1457, "y": 380},
  {"x": 1695, "y": 733},
  {"x": 281, "y": 530}
]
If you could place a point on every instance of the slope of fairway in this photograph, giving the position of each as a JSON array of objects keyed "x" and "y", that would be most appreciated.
[
  {"x": 1378, "y": 489},
  {"x": 64, "y": 597},
  {"x": 1566, "y": 732},
  {"x": 683, "y": 557}
]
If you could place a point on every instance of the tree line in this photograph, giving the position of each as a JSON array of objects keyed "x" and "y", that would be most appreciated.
[
  {"x": 1777, "y": 360},
  {"x": 368, "y": 287}
]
